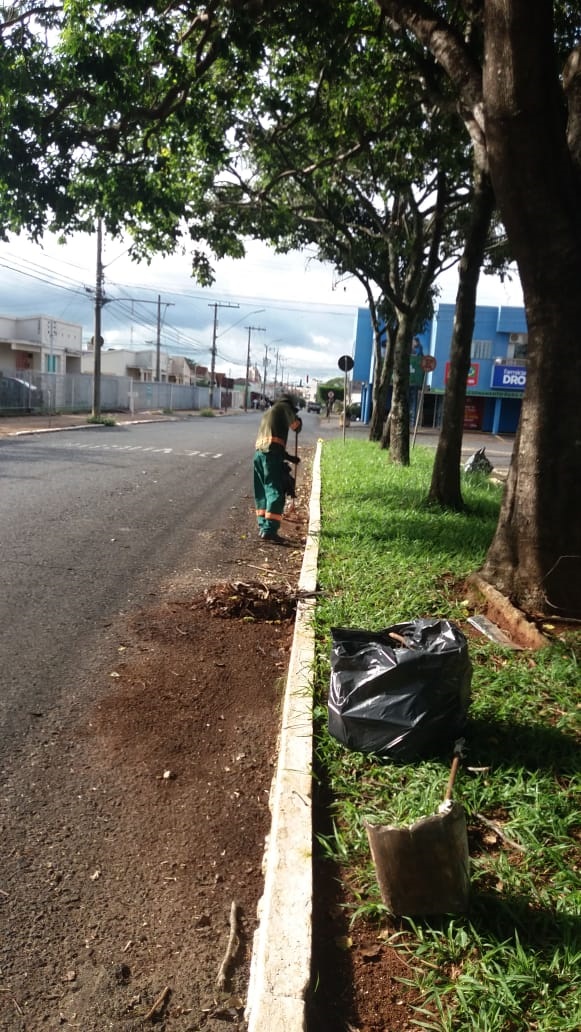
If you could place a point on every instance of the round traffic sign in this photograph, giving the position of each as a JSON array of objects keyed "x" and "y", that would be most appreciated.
[
  {"x": 428, "y": 363},
  {"x": 345, "y": 363}
]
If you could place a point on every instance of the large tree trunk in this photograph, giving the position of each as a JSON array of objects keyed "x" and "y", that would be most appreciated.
[
  {"x": 382, "y": 381},
  {"x": 399, "y": 423},
  {"x": 445, "y": 489},
  {"x": 535, "y": 556}
]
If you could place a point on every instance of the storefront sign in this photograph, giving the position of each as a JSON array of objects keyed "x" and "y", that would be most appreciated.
[
  {"x": 473, "y": 374},
  {"x": 509, "y": 378}
]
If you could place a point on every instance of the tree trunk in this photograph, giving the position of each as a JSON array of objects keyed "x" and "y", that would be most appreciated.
[
  {"x": 379, "y": 413},
  {"x": 399, "y": 424},
  {"x": 535, "y": 556},
  {"x": 382, "y": 381},
  {"x": 445, "y": 489}
]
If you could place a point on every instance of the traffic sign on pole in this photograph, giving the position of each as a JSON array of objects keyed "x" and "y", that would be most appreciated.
[{"x": 345, "y": 363}]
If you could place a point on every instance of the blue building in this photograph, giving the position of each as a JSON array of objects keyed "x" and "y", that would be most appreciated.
[{"x": 497, "y": 376}]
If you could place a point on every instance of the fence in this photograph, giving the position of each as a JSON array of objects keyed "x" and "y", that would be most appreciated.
[{"x": 73, "y": 392}]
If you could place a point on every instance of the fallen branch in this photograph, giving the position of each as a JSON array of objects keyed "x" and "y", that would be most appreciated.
[
  {"x": 498, "y": 831},
  {"x": 230, "y": 949}
]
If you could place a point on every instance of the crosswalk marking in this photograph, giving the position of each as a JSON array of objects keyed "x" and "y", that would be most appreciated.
[{"x": 80, "y": 446}]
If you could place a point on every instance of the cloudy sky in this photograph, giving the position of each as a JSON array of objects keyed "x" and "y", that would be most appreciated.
[{"x": 293, "y": 304}]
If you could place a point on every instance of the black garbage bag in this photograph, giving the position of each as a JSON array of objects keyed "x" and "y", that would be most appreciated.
[
  {"x": 479, "y": 463},
  {"x": 402, "y": 692}
]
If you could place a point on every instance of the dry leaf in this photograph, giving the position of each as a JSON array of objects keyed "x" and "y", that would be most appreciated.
[{"x": 371, "y": 952}]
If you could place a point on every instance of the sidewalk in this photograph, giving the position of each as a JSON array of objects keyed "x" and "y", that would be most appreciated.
[{"x": 14, "y": 426}]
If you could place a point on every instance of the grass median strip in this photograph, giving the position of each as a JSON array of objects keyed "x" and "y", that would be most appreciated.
[{"x": 513, "y": 962}]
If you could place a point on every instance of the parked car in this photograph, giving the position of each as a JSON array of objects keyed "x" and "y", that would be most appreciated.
[
  {"x": 18, "y": 395},
  {"x": 313, "y": 406}
]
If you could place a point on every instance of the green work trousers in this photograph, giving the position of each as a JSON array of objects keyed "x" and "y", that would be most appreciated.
[{"x": 269, "y": 489}]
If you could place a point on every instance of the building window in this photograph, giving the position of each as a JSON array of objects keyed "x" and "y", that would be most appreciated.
[
  {"x": 481, "y": 349},
  {"x": 52, "y": 363},
  {"x": 517, "y": 345}
]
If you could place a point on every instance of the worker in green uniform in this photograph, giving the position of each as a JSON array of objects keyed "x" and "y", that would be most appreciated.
[{"x": 269, "y": 460}]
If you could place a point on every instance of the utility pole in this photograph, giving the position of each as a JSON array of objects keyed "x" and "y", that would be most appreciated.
[
  {"x": 167, "y": 304},
  {"x": 256, "y": 329},
  {"x": 275, "y": 372},
  {"x": 97, "y": 341},
  {"x": 145, "y": 301},
  {"x": 158, "y": 342},
  {"x": 265, "y": 368},
  {"x": 216, "y": 305}
]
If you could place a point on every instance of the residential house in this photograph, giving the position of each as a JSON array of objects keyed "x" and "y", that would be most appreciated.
[{"x": 40, "y": 344}]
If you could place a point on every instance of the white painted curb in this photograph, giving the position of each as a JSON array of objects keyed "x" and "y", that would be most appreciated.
[{"x": 281, "y": 958}]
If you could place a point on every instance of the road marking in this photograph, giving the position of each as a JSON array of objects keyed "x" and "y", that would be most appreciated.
[{"x": 140, "y": 448}]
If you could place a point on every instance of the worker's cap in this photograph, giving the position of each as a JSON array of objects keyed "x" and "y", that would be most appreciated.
[{"x": 290, "y": 400}]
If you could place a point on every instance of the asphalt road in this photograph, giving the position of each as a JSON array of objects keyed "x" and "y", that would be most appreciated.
[{"x": 90, "y": 522}]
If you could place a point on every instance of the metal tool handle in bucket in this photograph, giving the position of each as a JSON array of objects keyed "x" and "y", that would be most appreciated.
[{"x": 458, "y": 755}]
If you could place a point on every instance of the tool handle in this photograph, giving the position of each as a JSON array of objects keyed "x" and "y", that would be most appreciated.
[{"x": 452, "y": 778}]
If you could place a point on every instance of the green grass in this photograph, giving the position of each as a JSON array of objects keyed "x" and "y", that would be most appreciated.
[
  {"x": 102, "y": 420},
  {"x": 513, "y": 962}
]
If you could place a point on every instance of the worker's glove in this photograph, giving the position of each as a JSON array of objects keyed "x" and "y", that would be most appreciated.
[
  {"x": 292, "y": 458},
  {"x": 298, "y": 425}
]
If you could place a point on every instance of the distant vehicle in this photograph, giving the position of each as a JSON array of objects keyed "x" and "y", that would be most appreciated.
[
  {"x": 18, "y": 395},
  {"x": 313, "y": 406}
]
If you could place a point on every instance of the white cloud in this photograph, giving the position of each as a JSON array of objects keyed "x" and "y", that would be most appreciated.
[{"x": 292, "y": 297}]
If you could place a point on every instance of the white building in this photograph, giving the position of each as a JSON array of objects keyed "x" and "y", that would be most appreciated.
[
  {"x": 40, "y": 343},
  {"x": 141, "y": 365}
]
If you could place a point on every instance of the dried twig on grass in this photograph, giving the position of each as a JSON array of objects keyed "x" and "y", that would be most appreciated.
[
  {"x": 230, "y": 949},
  {"x": 498, "y": 831}
]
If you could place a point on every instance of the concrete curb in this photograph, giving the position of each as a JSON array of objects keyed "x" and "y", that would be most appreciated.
[
  {"x": 84, "y": 426},
  {"x": 281, "y": 958}
]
